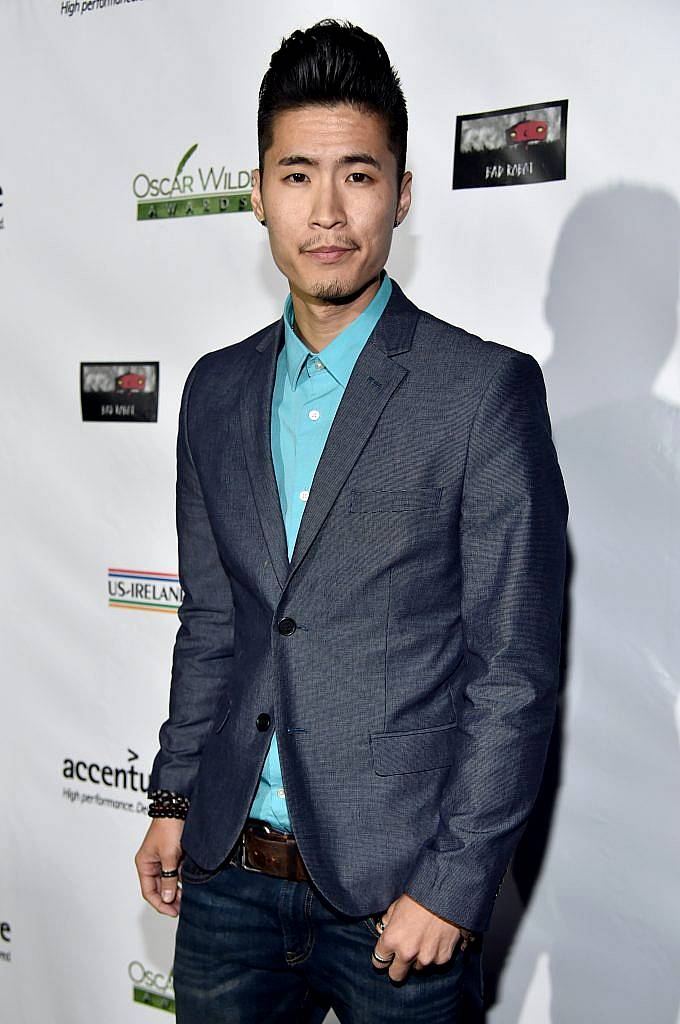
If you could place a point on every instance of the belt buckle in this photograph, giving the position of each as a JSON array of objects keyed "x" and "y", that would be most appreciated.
[
  {"x": 241, "y": 861},
  {"x": 242, "y": 846}
]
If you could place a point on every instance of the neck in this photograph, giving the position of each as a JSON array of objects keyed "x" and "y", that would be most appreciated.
[{"x": 318, "y": 321}]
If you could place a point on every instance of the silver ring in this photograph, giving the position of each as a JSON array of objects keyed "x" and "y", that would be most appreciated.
[{"x": 381, "y": 959}]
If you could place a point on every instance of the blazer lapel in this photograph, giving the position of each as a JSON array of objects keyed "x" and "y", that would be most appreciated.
[
  {"x": 255, "y": 411},
  {"x": 374, "y": 378}
]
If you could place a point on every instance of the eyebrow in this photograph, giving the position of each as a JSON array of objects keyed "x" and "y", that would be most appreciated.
[{"x": 350, "y": 158}]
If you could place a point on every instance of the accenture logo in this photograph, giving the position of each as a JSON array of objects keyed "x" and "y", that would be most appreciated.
[
  {"x": 116, "y": 776},
  {"x": 126, "y": 781}
]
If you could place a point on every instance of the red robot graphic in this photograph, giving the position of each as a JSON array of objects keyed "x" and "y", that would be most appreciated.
[
  {"x": 131, "y": 382},
  {"x": 527, "y": 131}
]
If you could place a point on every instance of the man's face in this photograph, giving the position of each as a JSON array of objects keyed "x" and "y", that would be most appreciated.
[{"x": 330, "y": 182}]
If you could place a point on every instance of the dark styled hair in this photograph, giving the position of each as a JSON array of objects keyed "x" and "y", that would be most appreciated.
[{"x": 333, "y": 62}]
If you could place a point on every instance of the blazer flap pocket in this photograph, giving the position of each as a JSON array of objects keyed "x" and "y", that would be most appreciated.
[
  {"x": 394, "y": 500},
  {"x": 395, "y": 753}
]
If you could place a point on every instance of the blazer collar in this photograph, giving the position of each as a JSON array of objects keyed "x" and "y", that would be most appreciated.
[
  {"x": 372, "y": 382},
  {"x": 339, "y": 356},
  {"x": 392, "y": 333}
]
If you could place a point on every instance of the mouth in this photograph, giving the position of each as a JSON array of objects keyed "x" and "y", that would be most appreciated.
[{"x": 328, "y": 254}]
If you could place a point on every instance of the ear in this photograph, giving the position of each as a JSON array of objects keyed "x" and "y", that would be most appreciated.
[
  {"x": 256, "y": 196},
  {"x": 404, "y": 202}
]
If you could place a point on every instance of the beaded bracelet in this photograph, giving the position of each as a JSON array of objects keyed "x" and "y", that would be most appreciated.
[{"x": 166, "y": 804}]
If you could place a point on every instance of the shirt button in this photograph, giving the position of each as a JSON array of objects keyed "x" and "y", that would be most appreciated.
[
  {"x": 304, "y": 495},
  {"x": 280, "y": 792},
  {"x": 314, "y": 414},
  {"x": 318, "y": 364}
]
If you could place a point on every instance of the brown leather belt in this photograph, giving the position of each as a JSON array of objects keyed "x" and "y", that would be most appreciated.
[{"x": 261, "y": 847}]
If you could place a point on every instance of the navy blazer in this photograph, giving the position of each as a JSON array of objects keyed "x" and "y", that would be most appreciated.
[{"x": 408, "y": 654}]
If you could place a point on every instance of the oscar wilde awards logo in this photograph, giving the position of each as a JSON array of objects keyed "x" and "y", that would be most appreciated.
[
  {"x": 191, "y": 191},
  {"x": 514, "y": 146},
  {"x": 153, "y": 988}
]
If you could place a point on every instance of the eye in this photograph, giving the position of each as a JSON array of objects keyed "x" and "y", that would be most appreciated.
[
  {"x": 295, "y": 174},
  {"x": 361, "y": 174}
]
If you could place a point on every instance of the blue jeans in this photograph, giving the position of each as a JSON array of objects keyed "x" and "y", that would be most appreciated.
[{"x": 263, "y": 950}]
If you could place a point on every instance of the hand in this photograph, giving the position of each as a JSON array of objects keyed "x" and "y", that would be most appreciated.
[
  {"x": 161, "y": 850},
  {"x": 416, "y": 936}
]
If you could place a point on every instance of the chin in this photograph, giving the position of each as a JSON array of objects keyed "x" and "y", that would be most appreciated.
[
  {"x": 331, "y": 288},
  {"x": 337, "y": 288}
]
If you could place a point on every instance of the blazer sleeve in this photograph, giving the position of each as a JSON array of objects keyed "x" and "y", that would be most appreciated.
[
  {"x": 203, "y": 654},
  {"x": 513, "y": 552}
]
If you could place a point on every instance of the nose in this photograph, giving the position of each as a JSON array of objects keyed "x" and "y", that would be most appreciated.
[{"x": 327, "y": 209}]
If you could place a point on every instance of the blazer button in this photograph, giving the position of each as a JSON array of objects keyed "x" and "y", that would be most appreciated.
[
  {"x": 287, "y": 626},
  {"x": 262, "y": 721}
]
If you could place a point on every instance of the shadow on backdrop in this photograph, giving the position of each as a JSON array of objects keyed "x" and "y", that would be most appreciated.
[{"x": 604, "y": 834}]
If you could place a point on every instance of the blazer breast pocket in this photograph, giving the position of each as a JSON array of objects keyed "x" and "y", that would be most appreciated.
[
  {"x": 395, "y": 753},
  {"x": 394, "y": 499}
]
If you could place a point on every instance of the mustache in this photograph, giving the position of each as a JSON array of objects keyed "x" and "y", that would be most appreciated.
[{"x": 342, "y": 243}]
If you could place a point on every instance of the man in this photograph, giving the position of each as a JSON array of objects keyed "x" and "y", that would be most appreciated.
[{"x": 371, "y": 523}]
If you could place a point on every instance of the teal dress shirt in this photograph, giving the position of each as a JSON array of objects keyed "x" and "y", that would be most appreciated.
[{"x": 307, "y": 391}]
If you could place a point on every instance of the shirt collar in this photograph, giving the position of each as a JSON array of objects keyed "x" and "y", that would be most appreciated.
[{"x": 340, "y": 355}]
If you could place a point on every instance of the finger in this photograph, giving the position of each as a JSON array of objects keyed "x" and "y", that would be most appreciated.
[
  {"x": 380, "y": 964},
  {"x": 399, "y": 968},
  {"x": 387, "y": 914},
  {"x": 380, "y": 950},
  {"x": 168, "y": 886},
  {"x": 150, "y": 881},
  {"x": 151, "y": 893}
]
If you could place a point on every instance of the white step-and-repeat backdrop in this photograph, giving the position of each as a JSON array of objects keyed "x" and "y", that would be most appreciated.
[{"x": 563, "y": 244}]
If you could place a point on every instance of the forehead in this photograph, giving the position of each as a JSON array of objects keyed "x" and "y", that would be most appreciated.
[{"x": 317, "y": 130}]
